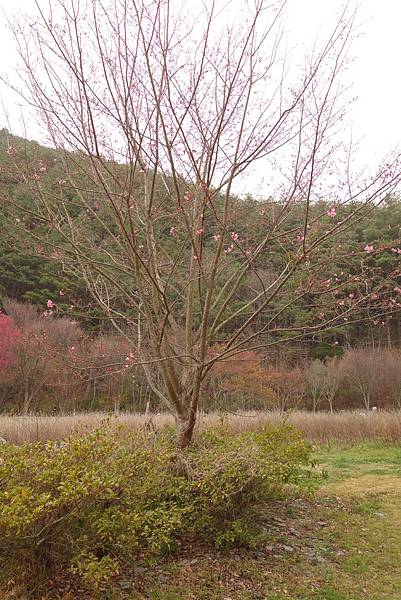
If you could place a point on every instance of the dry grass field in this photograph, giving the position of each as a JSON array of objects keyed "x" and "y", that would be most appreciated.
[{"x": 318, "y": 427}]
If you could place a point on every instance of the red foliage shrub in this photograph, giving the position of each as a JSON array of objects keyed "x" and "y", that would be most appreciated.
[{"x": 9, "y": 336}]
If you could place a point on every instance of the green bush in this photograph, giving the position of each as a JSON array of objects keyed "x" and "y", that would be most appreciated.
[{"x": 96, "y": 503}]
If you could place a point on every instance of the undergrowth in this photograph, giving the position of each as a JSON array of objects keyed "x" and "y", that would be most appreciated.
[{"x": 96, "y": 504}]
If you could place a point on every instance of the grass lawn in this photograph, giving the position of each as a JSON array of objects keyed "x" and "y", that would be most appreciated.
[{"x": 343, "y": 544}]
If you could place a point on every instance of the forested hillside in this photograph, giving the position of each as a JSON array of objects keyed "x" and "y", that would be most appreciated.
[{"x": 33, "y": 272}]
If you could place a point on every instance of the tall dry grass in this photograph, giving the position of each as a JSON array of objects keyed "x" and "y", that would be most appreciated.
[{"x": 350, "y": 426}]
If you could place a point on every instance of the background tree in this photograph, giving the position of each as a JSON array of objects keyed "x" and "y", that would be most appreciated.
[
  {"x": 332, "y": 377},
  {"x": 313, "y": 375},
  {"x": 155, "y": 120},
  {"x": 363, "y": 368}
]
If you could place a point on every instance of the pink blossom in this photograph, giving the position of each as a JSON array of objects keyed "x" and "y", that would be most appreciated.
[
  {"x": 47, "y": 313},
  {"x": 61, "y": 292},
  {"x": 300, "y": 238},
  {"x": 229, "y": 249},
  {"x": 341, "y": 302},
  {"x": 396, "y": 250},
  {"x": 42, "y": 169},
  {"x": 368, "y": 248},
  {"x": 172, "y": 230},
  {"x": 50, "y": 304},
  {"x": 10, "y": 150},
  {"x": 351, "y": 295},
  {"x": 397, "y": 289},
  {"x": 200, "y": 231},
  {"x": 332, "y": 212},
  {"x": 61, "y": 181},
  {"x": 234, "y": 236},
  {"x": 322, "y": 316},
  {"x": 217, "y": 237}
]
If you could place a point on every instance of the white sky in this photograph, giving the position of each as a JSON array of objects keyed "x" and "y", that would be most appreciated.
[{"x": 375, "y": 118}]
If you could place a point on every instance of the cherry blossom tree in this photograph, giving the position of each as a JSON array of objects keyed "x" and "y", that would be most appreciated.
[{"x": 158, "y": 109}]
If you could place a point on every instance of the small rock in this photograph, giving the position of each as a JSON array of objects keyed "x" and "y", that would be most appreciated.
[
  {"x": 138, "y": 570},
  {"x": 294, "y": 532},
  {"x": 3, "y": 441},
  {"x": 287, "y": 548},
  {"x": 269, "y": 548},
  {"x": 318, "y": 560}
]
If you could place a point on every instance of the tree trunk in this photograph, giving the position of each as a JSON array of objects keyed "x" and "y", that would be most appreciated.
[
  {"x": 27, "y": 400},
  {"x": 185, "y": 429}
]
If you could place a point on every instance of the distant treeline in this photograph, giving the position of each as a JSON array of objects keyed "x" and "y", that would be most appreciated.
[{"x": 48, "y": 364}]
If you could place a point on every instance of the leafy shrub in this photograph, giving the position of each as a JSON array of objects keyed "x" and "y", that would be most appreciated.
[{"x": 95, "y": 503}]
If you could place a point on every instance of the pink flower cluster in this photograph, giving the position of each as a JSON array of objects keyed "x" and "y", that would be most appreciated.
[{"x": 129, "y": 360}]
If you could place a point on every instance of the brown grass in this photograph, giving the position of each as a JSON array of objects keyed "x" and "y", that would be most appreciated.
[{"x": 318, "y": 427}]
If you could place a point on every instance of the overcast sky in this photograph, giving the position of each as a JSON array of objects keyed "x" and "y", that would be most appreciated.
[{"x": 375, "y": 73}]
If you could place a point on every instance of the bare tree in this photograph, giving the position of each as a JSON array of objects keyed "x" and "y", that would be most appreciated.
[
  {"x": 332, "y": 377},
  {"x": 363, "y": 369},
  {"x": 158, "y": 108},
  {"x": 391, "y": 366},
  {"x": 313, "y": 375}
]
